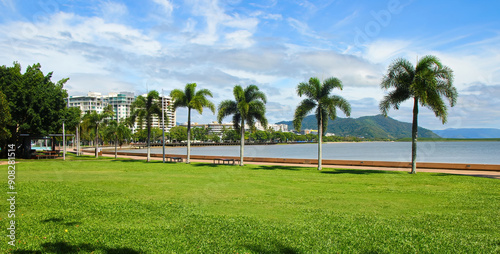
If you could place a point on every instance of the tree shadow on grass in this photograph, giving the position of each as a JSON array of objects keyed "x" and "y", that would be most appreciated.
[
  {"x": 278, "y": 248},
  {"x": 358, "y": 172},
  {"x": 61, "y": 221},
  {"x": 212, "y": 165},
  {"x": 63, "y": 247},
  {"x": 276, "y": 167}
]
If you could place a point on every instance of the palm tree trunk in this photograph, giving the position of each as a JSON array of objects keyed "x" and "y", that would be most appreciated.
[
  {"x": 189, "y": 137},
  {"x": 414, "y": 135},
  {"x": 77, "y": 141},
  {"x": 96, "y": 141},
  {"x": 242, "y": 141},
  {"x": 320, "y": 133},
  {"x": 116, "y": 148},
  {"x": 148, "y": 143}
]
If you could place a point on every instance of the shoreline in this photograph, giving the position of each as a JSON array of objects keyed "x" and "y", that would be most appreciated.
[{"x": 494, "y": 174}]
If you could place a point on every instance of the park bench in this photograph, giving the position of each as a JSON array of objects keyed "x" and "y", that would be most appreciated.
[
  {"x": 47, "y": 154},
  {"x": 174, "y": 159},
  {"x": 224, "y": 161}
]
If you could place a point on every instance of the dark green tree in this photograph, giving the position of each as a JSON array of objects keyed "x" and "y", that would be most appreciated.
[
  {"x": 93, "y": 120},
  {"x": 5, "y": 117},
  {"x": 191, "y": 99},
  {"x": 178, "y": 133},
  {"x": 36, "y": 104},
  {"x": 248, "y": 106},
  {"x": 426, "y": 83},
  {"x": 319, "y": 97},
  {"x": 230, "y": 135}
]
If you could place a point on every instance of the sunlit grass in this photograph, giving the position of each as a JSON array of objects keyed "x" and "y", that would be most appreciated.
[{"x": 106, "y": 206}]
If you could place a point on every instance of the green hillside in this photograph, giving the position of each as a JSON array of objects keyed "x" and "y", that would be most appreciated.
[{"x": 371, "y": 127}]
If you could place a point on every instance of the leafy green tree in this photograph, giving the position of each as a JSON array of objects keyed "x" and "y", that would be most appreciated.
[
  {"x": 319, "y": 98},
  {"x": 230, "y": 135},
  {"x": 178, "y": 133},
  {"x": 5, "y": 117},
  {"x": 248, "y": 106},
  {"x": 143, "y": 109},
  {"x": 36, "y": 104},
  {"x": 289, "y": 136},
  {"x": 94, "y": 120},
  {"x": 426, "y": 83},
  {"x": 117, "y": 132},
  {"x": 191, "y": 99},
  {"x": 200, "y": 134},
  {"x": 260, "y": 136},
  {"x": 214, "y": 137}
]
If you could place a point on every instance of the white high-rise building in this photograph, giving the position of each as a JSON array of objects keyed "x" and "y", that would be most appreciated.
[
  {"x": 121, "y": 103},
  {"x": 169, "y": 115}
]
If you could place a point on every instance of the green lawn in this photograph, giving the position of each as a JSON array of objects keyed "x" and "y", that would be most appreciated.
[{"x": 124, "y": 206}]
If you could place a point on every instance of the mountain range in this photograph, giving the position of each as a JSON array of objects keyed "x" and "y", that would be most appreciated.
[
  {"x": 469, "y": 133},
  {"x": 370, "y": 127}
]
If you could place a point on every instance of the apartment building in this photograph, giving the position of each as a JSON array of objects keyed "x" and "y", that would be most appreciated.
[{"x": 121, "y": 103}]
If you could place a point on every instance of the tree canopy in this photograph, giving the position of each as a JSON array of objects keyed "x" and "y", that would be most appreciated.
[
  {"x": 35, "y": 103},
  {"x": 426, "y": 83}
]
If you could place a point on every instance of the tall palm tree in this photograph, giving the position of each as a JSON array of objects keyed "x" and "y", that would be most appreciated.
[
  {"x": 319, "y": 97},
  {"x": 142, "y": 110},
  {"x": 248, "y": 106},
  {"x": 192, "y": 100},
  {"x": 117, "y": 132},
  {"x": 94, "y": 120},
  {"x": 426, "y": 84}
]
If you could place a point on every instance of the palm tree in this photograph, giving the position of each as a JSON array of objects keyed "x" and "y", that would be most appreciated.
[
  {"x": 93, "y": 120},
  {"x": 318, "y": 96},
  {"x": 248, "y": 106},
  {"x": 117, "y": 132},
  {"x": 192, "y": 100},
  {"x": 426, "y": 84},
  {"x": 143, "y": 109}
]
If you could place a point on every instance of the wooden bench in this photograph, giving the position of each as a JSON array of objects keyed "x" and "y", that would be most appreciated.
[
  {"x": 223, "y": 161},
  {"x": 47, "y": 155},
  {"x": 175, "y": 159}
]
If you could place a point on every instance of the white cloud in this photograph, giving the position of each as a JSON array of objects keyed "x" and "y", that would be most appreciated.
[
  {"x": 113, "y": 11},
  {"x": 239, "y": 39},
  {"x": 166, "y": 5},
  {"x": 219, "y": 24},
  {"x": 383, "y": 51}
]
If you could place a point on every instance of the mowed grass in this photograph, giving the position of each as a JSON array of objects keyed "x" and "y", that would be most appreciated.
[{"x": 126, "y": 206}]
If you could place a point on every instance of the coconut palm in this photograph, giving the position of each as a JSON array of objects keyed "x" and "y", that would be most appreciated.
[
  {"x": 142, "y": 110},
  {"x": 248, "y": 106},
  {"x": 117, "y": 132},
  {"x": 426, "y": 84},
  {"x": 191, "y": 99},
  {"x": 319, "y": 97},
  {"x": 94, "y": 120}
]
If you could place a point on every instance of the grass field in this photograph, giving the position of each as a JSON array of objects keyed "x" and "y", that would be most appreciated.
[{"x": 125, "y": 206}]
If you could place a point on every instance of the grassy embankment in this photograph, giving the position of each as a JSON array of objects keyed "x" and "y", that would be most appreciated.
[{"x": 124, "y": 206}]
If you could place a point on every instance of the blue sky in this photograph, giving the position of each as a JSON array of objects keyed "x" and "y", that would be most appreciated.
[{"x": 113, "y": 46}]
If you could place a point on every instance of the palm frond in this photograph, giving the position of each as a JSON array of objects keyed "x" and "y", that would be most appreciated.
[
  {"x": 302, "y": 110},
  {"x": 226, "y": 108},
  {"x": 329, "y": 84}
]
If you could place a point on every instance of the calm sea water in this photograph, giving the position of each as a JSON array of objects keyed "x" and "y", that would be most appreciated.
[{"x": 451, "y": 152}]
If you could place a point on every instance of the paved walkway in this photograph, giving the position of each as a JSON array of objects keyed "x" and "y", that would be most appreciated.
[{"x": 488, "y": 174}]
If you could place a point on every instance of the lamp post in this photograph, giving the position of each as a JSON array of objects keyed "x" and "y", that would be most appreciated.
[{"x": 163, "y": 123}]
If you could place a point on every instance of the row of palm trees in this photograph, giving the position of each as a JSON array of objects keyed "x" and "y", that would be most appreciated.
[{"x": 426, "y": 83}]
